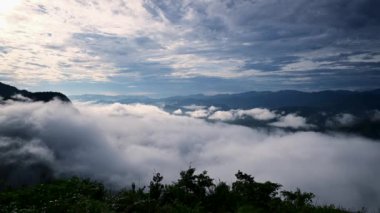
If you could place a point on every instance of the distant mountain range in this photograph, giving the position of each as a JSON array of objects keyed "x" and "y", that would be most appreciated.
[
  {"x": 341, "y": 100},
  {"x": 325, "y": 110},
  {"x": 8, "y": 92},
  {"x": 354, "y": 112}
]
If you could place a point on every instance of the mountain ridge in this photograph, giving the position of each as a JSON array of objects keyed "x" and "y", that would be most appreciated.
[
  {"x": 326, "y": 99},
  {"x": 8, "y": 92}
]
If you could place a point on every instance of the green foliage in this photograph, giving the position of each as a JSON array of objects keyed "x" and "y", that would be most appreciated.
[
  {"x": 250, "y": 192},
  {"x": 190, "y": 189},
  {"x": 156, "y": 187},
  {"x": 72, "y": 195},
  {"x": 298, "y": 198},
  {"x": 191, "y": 193}
]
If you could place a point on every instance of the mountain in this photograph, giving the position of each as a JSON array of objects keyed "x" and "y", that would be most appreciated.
[
  {"x": 345, "y": 111},
  {"x": 332, "y": 100},
  {"x": 8, "y": 92},
  {"x": 339, "y": 100},
  {"x": 126, "y": 99}
]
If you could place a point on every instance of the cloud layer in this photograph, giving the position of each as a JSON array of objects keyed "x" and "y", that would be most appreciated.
[
  {"x": 120, "y": 143},
  {"x": 256, "y": 113},
  {"x": 266, "y": 116}
]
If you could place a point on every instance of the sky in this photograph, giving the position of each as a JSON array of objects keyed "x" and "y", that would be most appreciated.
[{"x": 162, "y": 48}]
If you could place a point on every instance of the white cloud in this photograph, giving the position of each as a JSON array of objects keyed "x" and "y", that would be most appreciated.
[
  {"x": 364, "y": 58},
  {"x": 194, "y": 107},
  {"x": 307, "y": 65},
  {"x": 177, "y": 112},
  {"x": 192, "y": 65},
  {"x": 292, "y": 121},
  {"x": 20, "y": 97},
  {"x": 120, "y": 143},
  {"x": 200, "y": 113},
  {"x": 38, "y": 34},
  {"x": 98, "y": 41},
  {"x": 213, "y": 108},
  {"x": 7, "y": 5},
  {"x": 257, "y": 113},
  {"x": 345, "y": 119},
  {"x": 46, "y": 41},
  {"x": 222, "y": 115},
  {"x": 342, "y": 120},
  {"x": 140, "y": 110}
]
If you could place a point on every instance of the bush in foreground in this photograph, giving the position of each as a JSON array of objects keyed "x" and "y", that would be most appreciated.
[{"x": 190, "y": 193}]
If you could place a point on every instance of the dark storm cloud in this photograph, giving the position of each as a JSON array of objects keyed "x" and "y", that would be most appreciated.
[
  {"x": 277, "y": 19},
  {"x": 269, "y": 35}
]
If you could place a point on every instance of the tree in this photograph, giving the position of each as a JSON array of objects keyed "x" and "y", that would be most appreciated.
[{"x": 298, "y": 198}]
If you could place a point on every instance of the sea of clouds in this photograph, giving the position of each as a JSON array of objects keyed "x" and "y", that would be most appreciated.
[
  {"x": 271, "y": 117},
  {"x": 119, "y": 144}
]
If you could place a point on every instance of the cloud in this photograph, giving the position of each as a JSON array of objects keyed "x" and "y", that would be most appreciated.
[
  {"x": 194, "y": 107},
  {"x": 257, "y": 113},
  {"x": 236, "y": 43},
  {"x": 375, "y": 115},
  {"x": 20, "y": 97},
  {"x": 200, "y": 113},
  {"x": 57, "y": 53},
  {"x": 177, "y": 112},
  {"x": 213, "y": 108},
  {"x": 345, "y": 119},
  {"x": 292, "y": 121},
  {"x": 307, "y": 65},
  {"x": 119, "y": 143},
  {"x": 365, "y": 57},
  {"x": 234, "y": 114},
  {"x": 342, "y": 120},
  {"x": 192, "y": 65},
  {"x": 214, "y": 114},
  {"x": 223, "y": 116},
  {"x": 271, "y": 118}
]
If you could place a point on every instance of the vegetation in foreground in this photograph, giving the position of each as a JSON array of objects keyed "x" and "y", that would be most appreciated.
[{"x": 191, "y": 193}]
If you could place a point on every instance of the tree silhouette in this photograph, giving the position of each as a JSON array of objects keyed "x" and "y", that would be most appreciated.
[{"x": 190, "y": 193}]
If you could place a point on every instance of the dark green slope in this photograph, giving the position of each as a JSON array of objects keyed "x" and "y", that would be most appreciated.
[
  {"x": 8, "y": 92},
  {"x": 332, "y": 100}
]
